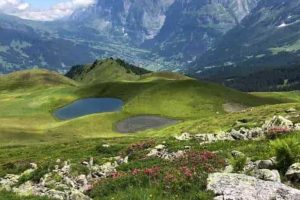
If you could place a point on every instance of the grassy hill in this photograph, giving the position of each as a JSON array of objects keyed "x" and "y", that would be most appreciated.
[
  {"x": 26, "y": 115},
  {"x": 30, "y": 133},
  {"x": 33, "y": 78},
  {"x": 108, "y": 70}
]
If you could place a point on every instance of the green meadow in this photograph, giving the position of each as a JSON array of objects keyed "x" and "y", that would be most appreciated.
[{"x": 29, "y": 132}]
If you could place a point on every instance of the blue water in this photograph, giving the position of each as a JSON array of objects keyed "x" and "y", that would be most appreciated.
[{"x": 89, "y": 106}]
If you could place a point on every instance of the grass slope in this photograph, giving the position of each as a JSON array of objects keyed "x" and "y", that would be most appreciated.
[
  {"x": 30, "y": 133},
  {"x": 26, "y": 114},
  {"x": 108, "y": 70},
  {"x": 33, "y": 78}
]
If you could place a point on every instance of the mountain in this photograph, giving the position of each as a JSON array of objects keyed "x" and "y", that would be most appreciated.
[
  {"x": 192, "y": 27},
  {"x": 26, "y": 44},
  {"x": 134, "y": 20},
  {"x": 108, "y": 70},
  {"x": 267, "y": 38}
]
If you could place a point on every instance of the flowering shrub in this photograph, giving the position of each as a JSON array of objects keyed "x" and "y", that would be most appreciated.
[
  {"x": 275, "y": 132},
  {"x": 138, "y": 147},
  {"x": 152, "y": 172},
  {"x": 204, "y": 160}
]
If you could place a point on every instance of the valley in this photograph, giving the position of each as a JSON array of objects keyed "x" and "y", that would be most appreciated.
[{"x": 149, "y": 100}]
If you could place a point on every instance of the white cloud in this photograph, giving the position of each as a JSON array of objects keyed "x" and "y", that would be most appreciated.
[{"x": 24, "y": 10}]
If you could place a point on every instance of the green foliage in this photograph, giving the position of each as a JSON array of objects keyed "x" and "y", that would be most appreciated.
[
  {"x": 287, "y": 153},
  {"x": 238, "y": 163},
  {"x": 108, "y": 151},
  {"x": 106, "y": 188}
]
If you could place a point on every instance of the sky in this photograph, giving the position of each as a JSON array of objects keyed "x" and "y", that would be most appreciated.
[{"x": 42, "y": 10}]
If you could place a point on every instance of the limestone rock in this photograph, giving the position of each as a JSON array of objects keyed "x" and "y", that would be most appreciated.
[
  {"x": 241, "y": 187},
  {"x": 77, "y": 195},
  {"x": 278, "y": 122},
  {"x": 265, "y": 164},
  {"x": 267, "y": 175},
  {"x": 184, "y": 137},
  {"x": 293, "y": 173}
]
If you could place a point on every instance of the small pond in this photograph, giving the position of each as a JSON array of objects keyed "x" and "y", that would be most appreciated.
[
  {"x": 88, "y": 106},
  {"x": 142, "y": 123}
]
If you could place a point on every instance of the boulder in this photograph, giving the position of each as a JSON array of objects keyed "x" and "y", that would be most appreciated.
[
  {"x": 237, "y": 154},
  {"x": 293, "y": 173},
  {"x": 278, "y": 122},
  {"x": 267, "y": 175},
  {"x": 242, "y": 187},
  {"x": 265, "y": 164},
  {"x": 8, "y": 182},
  {"x": 291, "y": 110},
  {"x": 77, "y": 195},
  {"x": 184, "y": 137}
]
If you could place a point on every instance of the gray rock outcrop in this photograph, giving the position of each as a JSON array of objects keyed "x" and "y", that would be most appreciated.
[{"x": 243, "y": 187}]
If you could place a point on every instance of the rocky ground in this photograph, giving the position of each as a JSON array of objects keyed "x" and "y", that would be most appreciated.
[{"x": 253, "y": 179}]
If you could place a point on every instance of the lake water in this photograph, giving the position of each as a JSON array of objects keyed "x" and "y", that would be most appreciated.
[
  {"x": 142, "y": 123},
  {"x": 89, "y": 106}
]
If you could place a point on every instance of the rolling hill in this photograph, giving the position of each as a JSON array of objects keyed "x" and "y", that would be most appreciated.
[
  {"x": 30, "y": 132},
  {"x": 28, "y": 109}
]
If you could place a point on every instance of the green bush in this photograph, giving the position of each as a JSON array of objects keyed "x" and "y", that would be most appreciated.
[
  {"x": 238, "y": 163},
  {"x": 287, "y": 152}
]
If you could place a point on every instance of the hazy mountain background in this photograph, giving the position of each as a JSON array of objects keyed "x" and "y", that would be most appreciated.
[{"x": 211, "y": 39}]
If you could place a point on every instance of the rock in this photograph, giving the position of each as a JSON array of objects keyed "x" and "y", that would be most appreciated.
[
  {"x": 69, "y": 182},
  {"x": 265, "y": 164},
  {"x": 106, "y": 145},
  {"x": 214, "y": 137},
  {"x": 91, "y": 162},
  {"x": 85, "y": 163},
  {"x": 291, "y": 110},
  {"x": 184, "y": 137},
  {"x": 247, "y": 134},
  {"x": 58, "y": 161},
  {"x": 55, "y": 194},
  {"x": 77, "y": 195},
  {"x": 8, "y": 182},
  {"x": 26, "y": 189},
  {"x": 27, "y": 172},
  {"x": 228, "y": 169},
  {"x": 267, "y": 175},
  {"x": 278, "y": 122},
  {"x": 297, "y": 127},
  {"x": 33, "y": 166},
  {"x": 242, "y": 187},
  {"x": 66, "y": 169},
  {"x": 293, "y": 173},
  {"x": 237, "y": 154},
  {"x": 160, "y": 147}
]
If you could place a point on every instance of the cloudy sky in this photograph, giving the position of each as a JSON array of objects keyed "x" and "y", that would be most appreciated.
[{"x": 44, "y": 10}]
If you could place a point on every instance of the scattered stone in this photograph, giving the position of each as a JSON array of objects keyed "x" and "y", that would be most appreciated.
[
  {"x": 293, "y": 173},
  {"x": 291, "y": 110},
  {"x": 267, "y": 175},
  {"x": 160, "y": 147},
  {"x": 184, "y": 137},
  {"x": 278, "y": 122},
  {"x": 242, "y": 187},
  {"x": 237, "y": 154},
  {"x": 297, "y": 127},
  {"x": 106, "y": 145},
  {"x": 9, "y": 181},
  {"x": 76, "y": 195},
  {"x": 265, "y": 164},
  {"x": 33, "y": 166}
]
